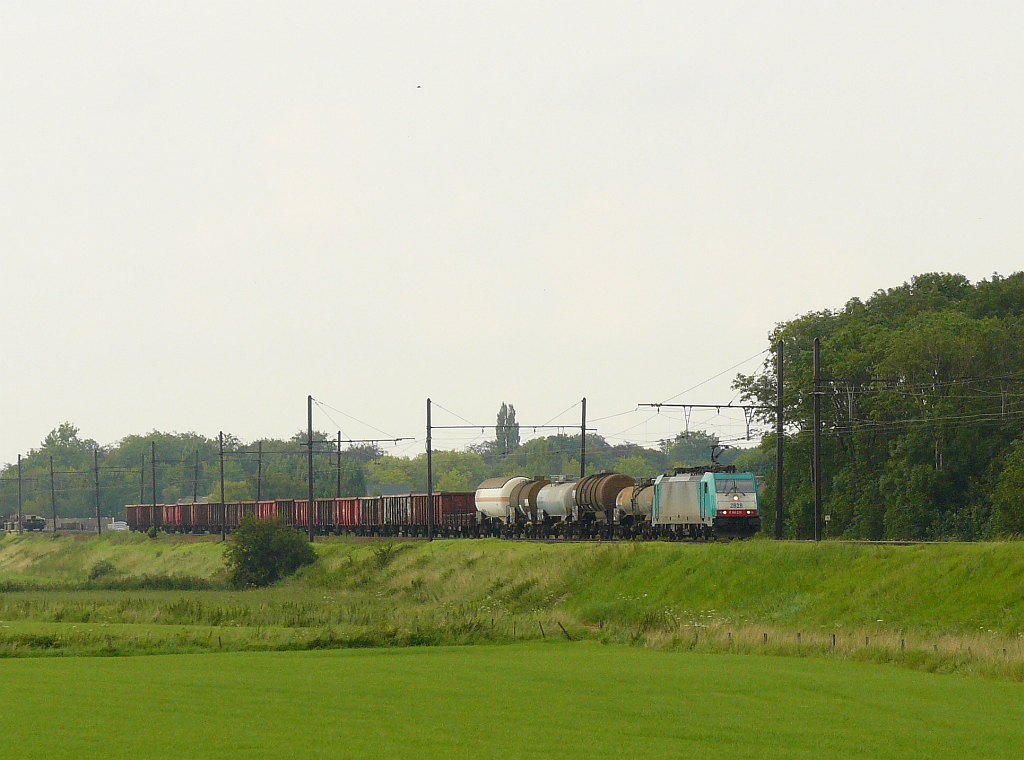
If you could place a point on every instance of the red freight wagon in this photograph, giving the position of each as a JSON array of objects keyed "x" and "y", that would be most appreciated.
[
  {"x": 245, "y": 509},
  {"x": 172, "y": 516},
  {"x": 301, "y": 513},
  {"x": 452, "y": 511},
  {"x": 398, "y": 510},
  {"x": 347, "y": 512},
  {"x": 458, "y": 510},
  {"x": 286, "y": 511},
  {"x": 216, "y": 513},
  {"x": 419, "y": 510},
  {"x": 266, "y": 510},
  {"x": 234, "y": 512},
  {"x": 144, "y": 513},
  {"x": 371, "y": 511},
  {"x": 132, "y": 517},
  {"x": 323, "y": 514},
  {"x": 200, "y": 516}
]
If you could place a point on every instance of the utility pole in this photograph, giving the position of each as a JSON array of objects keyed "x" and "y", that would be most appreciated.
[
  {"x": 195, "y": 478},
  {"x": 220, "y": 442},
  {"x": 259, "y": 471},
  {"x": 53, "y": 496},
  {"x": 152, "y": 464},
  {"x": 583, "y": 442},
  {"x": 20, "y": 515},
  {"x": 96, "y": 481},
  {"x": 223, "y": 506},
  {"x": 430, "y": 481},
  {"x": 779, "y": 440},
  {"x": 339, "y": 464},
  {"x": 309, "y": 477},
  {"x": 817, "y": 439}
]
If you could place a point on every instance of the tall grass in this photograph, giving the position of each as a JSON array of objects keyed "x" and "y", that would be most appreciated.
[
  {"x": 113, "y": 560},
  {"x": 949, "y": 608}
]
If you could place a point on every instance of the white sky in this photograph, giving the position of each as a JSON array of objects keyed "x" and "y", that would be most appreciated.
[{"x": 210, "y": 210}]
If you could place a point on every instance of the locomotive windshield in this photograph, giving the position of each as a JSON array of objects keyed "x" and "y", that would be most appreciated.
[{"x": 733, "y": 485}]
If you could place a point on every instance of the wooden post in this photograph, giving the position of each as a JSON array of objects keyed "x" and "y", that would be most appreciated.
[
  {"x": 309, "y": 477},
  {"x": 817, "y": 439},
  {"x": 430, "y": 480},
  {"x": 779, "y": 448}
]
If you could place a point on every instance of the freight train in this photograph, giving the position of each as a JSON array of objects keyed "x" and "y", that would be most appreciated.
[{"x": 696, "y": 503}]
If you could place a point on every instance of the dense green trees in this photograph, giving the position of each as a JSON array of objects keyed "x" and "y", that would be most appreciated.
[{"x": 923, "y": 410}]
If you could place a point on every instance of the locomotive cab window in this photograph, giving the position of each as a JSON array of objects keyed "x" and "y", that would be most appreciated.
[{"x": 734, "y": 485}]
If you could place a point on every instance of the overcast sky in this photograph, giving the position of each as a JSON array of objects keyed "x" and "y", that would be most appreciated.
[{"x": 210, "y": 210}]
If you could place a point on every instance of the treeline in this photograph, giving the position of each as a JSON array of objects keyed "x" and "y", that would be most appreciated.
[
  {"x": 923, "y": 412},
  {"x": 188, "y": 463}
]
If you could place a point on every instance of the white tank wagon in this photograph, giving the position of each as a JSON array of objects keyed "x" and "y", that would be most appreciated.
[
  {"x": 493, "y": 497},
  {"x": 556, "y": 500}
]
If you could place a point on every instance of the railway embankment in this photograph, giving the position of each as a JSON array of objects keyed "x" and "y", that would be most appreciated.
[{"x": 946, "y": 607}]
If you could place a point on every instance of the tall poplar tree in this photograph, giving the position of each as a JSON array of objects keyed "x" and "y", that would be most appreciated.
[{"x": 506, "y": 432}]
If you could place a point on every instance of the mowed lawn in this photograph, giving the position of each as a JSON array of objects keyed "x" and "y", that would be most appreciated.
[{"x": 544, "y": 700}]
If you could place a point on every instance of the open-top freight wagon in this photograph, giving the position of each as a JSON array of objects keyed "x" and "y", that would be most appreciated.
[{"x": 454, "y": 514}]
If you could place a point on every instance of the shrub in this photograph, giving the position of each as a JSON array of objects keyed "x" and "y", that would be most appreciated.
[
  {"x": 262, "y": 552},
  {"x": 101, "y": 569},
  {"x": 152, "y": 532}
]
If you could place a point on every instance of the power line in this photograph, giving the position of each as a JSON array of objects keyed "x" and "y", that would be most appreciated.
[
  {"x": 714, "y": 377},
  {"x": 569, "y": 409},
  {"x": 344, "y": 414},
  {"x": 453, "y": 414}
]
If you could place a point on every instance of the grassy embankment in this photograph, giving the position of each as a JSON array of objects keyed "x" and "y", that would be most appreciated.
[
  {"x": 946, "y": 608},
  {"x": 537, "y": 700}
]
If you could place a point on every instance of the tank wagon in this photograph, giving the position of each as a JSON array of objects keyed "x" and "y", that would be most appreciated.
[{"x": 697, "y": 503}]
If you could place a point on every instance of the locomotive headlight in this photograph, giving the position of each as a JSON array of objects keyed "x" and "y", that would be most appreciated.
[{"x": 736, "y": 497}]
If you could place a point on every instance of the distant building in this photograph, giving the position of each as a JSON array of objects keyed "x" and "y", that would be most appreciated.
[{"x": 79, "y": 524}]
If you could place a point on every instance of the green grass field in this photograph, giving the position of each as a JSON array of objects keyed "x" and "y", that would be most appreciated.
[
  {"x": 352, "y": 657},
  {"x": 540, "y": 700},
  {"x": 956, "y": 608}
]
